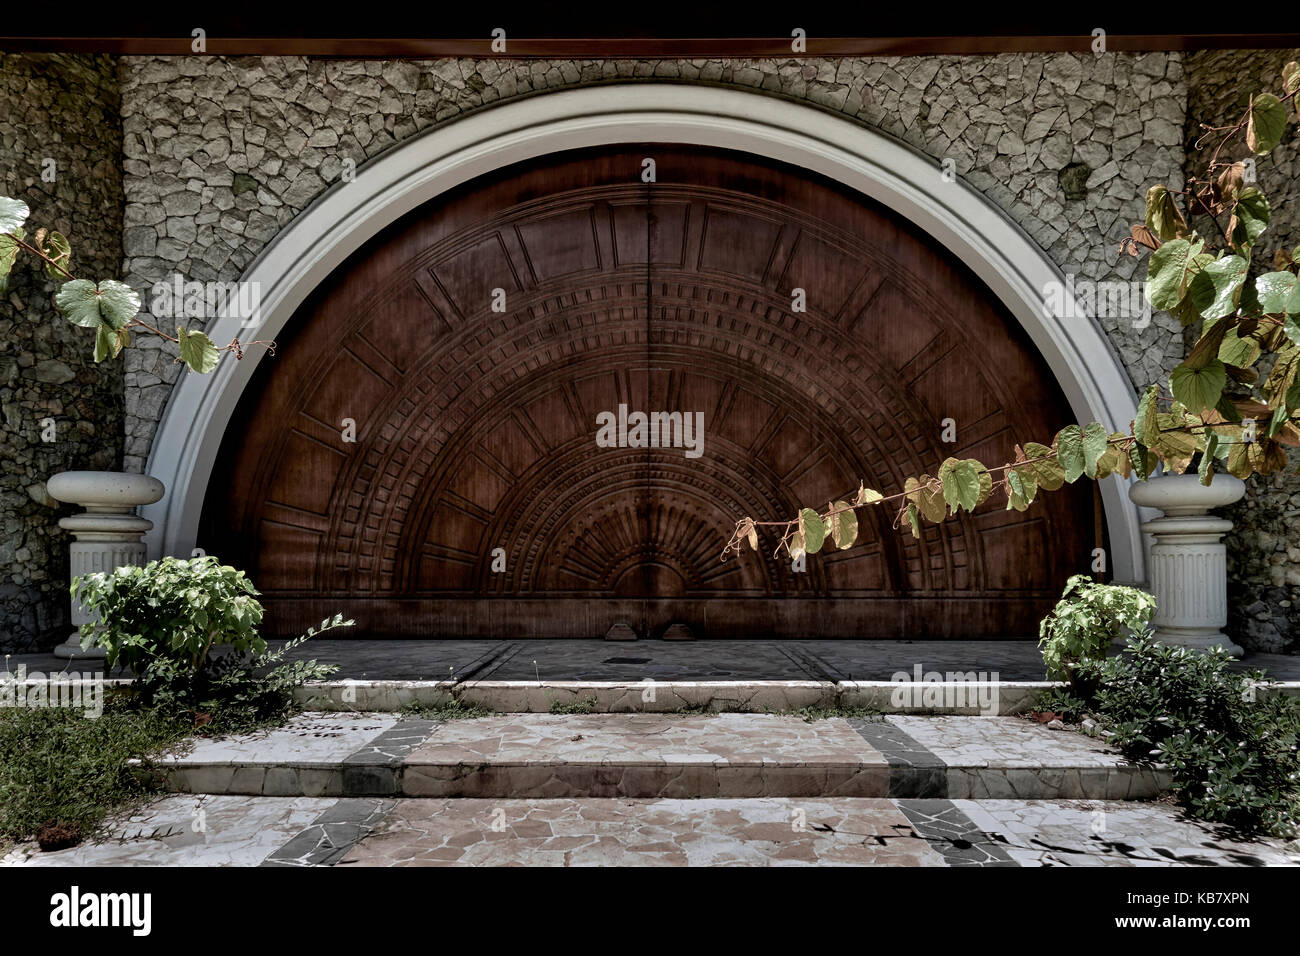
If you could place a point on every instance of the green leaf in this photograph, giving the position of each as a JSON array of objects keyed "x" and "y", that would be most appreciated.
[
  {"x": 1291, "y": 77},
  {"x": 1199, "y": 294},
  {"x": 200, "y": 353},
  {"x": 56, "y": 246},
  {"x": 1273, "y": 291},
  {"x": 1266, "y": 123},
  {"x": 963, "y": 483},
  {"x": 1069, "y": 452},
  {"x": 1143, "y": 461},
  {"x": 1208, "y": 345},
  {"x": 118, "y": 303},
  {"x": 13, "y": 213},
  {"x": 1095, "y": 442},
  {"x": 1163, "y": 216},
  {"x": 1145, "y": 425},
  {"x": 1169, "y": 270},
  {"x": 929, "y": 500},
  {"x": 1228, "y": 275},
  {"x": 1199, "y": 388},
  {"x": 1237, "y": 351},
  {"x": 866, "y": 496},
  {"x": 913, "y": 521},
  {"x": 1249, "y": 217},
  {"x": 9, "y": 249},
  {"x": 1023, "y": 488},
  {"x": 1206, "y": 467},
  {"x": 843, "y": 524},
  {"x": 104, "y": 338},
  {"x": 78, "y": 301},
  {"x": 1281, "y": 415},
  {"x": 1044, "y": 466},
  {"x": 1176, "y": 445},
  {"x": 810, "y": 524},
  {"x": 83, "y": 303},
  {"x": 1292, "y": 304}
]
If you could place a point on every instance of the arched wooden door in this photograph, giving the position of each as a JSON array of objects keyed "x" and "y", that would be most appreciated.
[{"x": 474, "y": 344}]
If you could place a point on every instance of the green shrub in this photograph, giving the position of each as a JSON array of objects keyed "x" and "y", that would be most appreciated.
[
  {"x": 187, "y": 630},
  {"x": 1084, "y": 623},
  {"x": 169, "y": 613},
  {"x": 1233, "y": 756}
]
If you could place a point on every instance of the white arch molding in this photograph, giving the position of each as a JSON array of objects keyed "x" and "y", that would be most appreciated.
[{"x": 305, "y": 252}]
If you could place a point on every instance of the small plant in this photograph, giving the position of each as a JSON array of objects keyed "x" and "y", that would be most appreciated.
[
  {"x": 454, "y": 709},
  {"x": 169, "y": 613},
  {"x": 165, "y": 623},
  {"x": 1084, "y": 623},
  {"x": 1056, "y": 700},
  {"x": 818, "y": 712},
  {"x": 586, "y": 705}
]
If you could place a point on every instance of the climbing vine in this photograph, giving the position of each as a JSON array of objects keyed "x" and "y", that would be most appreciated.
[
  {"x": 108, "y": 307},
  {"x": 1213, "y": 410}
]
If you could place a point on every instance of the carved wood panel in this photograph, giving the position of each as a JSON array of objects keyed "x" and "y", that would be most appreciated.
[{"x": 476, "y": 343}]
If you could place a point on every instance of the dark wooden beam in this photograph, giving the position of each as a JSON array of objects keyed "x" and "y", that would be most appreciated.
[{"x": 640, "y": 47}]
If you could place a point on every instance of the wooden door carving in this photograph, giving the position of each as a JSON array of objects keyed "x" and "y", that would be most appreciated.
[{"x": 475, "y": 429}]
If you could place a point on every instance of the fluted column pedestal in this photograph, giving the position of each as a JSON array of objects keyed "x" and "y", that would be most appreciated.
[
  {"x": 106, "y": 536},
  {"x": 1189, "y": 563}
]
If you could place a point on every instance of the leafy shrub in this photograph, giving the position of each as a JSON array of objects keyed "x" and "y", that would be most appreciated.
[
  {"x": 1233, "y": 757},
  {"x": 164, "y": 620},
  {"x": 1084, "y": 623},
  {"x": 169, "y": 614}
]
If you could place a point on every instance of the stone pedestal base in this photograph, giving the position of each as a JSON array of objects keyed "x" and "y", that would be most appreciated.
[
  {"x": 1189, "y": 564},
  {"x": 71, "y": 650},
  {"x": 106, "y": 536}
]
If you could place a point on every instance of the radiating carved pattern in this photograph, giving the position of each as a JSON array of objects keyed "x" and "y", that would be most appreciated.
[{"x": 442, "y": 419}]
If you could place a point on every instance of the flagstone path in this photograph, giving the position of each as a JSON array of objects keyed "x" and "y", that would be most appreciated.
[
  {"x": 188, "y": 830},
  {"x": 657, "y": 790}
]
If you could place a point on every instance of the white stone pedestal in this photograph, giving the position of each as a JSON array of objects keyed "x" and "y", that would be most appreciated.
[
  {"x": 1189, "y": 564},
  {"x": 106, "y": 536}
]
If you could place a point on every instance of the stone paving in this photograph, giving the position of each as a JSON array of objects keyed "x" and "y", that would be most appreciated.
[
  {"x": 306, "y": 831},
  {"x": 1103, "y": 833}
]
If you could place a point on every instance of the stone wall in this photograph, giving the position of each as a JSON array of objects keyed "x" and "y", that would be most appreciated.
[
  {"x": 65, "y": 108},
  {"x": 1264, "y": 548}
]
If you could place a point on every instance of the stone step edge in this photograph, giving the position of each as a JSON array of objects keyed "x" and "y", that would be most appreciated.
[
  {"x": 952, "y": 698},
  {"x": 638, "y": 779}
]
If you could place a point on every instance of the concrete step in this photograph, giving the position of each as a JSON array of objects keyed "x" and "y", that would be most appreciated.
[{"x": 655, "y": 755}]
